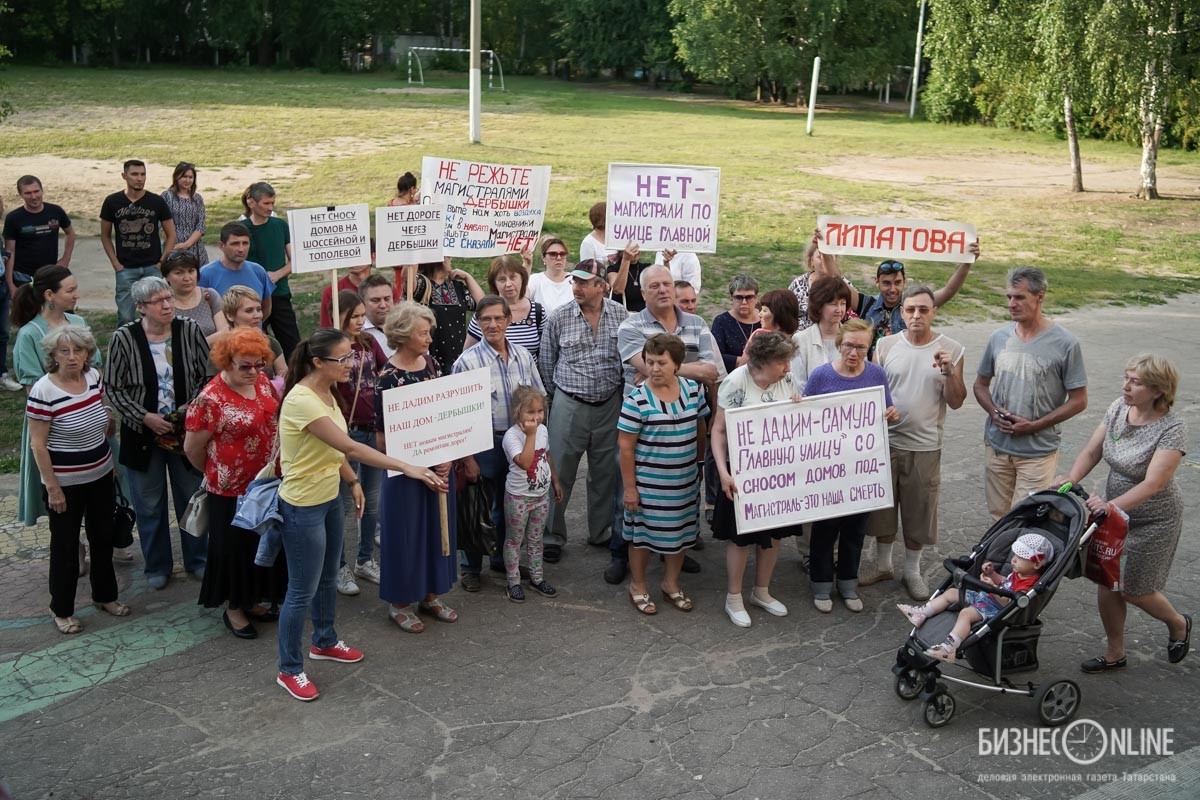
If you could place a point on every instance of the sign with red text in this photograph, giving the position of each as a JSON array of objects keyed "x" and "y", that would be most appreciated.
[
  {"x": 334, "y": 237},
  {"x": 826, "y": 456},
  {"x": 409, "y": 234},
  {"x": 918, "y": 239},
  {"x": 437, "y": 421},
  {"x": 662, "y": 207},
  {"x": 491, "y": 209}
]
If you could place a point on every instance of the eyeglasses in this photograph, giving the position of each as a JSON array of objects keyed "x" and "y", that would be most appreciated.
[
  {"x": 259, "y": 367},
  {"x": 555, "y": 254},
  {"x": 744, "y": 298},
  {"x": 344, "y": 359},
  {"x": 167, "y": 300},
  {"x": 890, "y": 267},
  {"x": 490, "y": 321},
  {"x": 855, "y": 348}
]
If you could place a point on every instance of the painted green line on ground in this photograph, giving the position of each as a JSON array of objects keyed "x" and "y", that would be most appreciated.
[{"x": 36, "y": 680}]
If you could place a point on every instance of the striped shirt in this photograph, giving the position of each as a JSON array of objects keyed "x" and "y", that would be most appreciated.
[
  {"x": 77, "y": 440},
  {"x": 519, "y": 370},
  {"x": 697, "y": 341},
  {"x": 585, "y": 364}
]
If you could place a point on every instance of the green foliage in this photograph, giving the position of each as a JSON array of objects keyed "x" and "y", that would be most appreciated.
[
  {"x": 6, "y": 107},
  {"x": 621, "y": 35}
]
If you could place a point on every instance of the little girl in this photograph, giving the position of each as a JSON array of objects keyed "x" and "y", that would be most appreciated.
[
  {"x": 1030, "y": 554},
  {"x": 527, "y": 490}
]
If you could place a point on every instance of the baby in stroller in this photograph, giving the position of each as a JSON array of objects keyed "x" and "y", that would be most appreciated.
[{"x": 1031, "y": 552}]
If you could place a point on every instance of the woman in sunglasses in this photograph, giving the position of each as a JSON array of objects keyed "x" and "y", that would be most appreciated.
[{"x": 231, "y": 427}]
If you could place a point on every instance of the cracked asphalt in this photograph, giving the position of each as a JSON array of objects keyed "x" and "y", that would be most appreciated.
[{"x": 580, "y": 696}]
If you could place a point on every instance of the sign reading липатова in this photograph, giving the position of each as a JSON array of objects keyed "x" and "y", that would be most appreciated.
[
  {"x": 826, "y": 456},
  {"x": 336, "y": 237},
  {"x": 491, "y": 209},
  {"x": 409, "y": 234},
  {"x": 918, "y": 239},
  {"x": 661, "y": 206}
]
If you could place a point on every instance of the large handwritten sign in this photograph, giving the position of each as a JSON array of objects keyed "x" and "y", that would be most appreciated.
[
  {"x": 919, "y": 239},
  {"x": 409, "y": 234},
  {"x": 826, "y": 456},
  {"x": 437, "y": 421},
  {"x": 491, "y": 209},
  {"x": 336, "y": 237},
  {"x": 660, "y": 206}
]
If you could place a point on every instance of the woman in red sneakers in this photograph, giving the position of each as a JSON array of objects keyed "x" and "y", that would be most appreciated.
[{"x": 314, "y": 447}]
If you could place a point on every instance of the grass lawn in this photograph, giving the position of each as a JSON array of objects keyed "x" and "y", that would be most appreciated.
[{"x": 326, "y": 139}]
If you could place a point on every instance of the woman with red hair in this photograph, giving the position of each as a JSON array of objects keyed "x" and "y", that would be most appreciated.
[{"x": 231, "y": 428}]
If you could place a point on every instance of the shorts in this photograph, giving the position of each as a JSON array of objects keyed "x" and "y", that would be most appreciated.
[{"x": 984, "y": 602}]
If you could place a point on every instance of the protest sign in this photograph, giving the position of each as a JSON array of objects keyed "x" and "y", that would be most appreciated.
[
  {"x": 826, "y": 456},
  {"x": 918, "y": 239},
  {"x": 335, "y": 237},
  {"x": 436, "y": 421},
  {"x": 491, "y": 209},
  {"x": 409, "y": 234},
  {"x": 661, "y": 206}
]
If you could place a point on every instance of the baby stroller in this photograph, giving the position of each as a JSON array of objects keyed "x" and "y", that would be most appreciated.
[{"x": 1006, "y": 644}]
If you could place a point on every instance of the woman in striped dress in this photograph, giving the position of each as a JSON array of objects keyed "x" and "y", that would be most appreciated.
[{"x": 661, "y": 438}]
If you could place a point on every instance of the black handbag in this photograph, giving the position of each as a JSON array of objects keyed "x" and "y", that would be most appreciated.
[
  {"x": 476, "y": 533},
  {"x": 123, "y": 518}
]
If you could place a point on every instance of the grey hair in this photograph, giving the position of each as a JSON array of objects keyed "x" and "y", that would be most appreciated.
[
  {"x": 76, "y": 335},
  {"x": 143, "y": 290},
  {"x": 742, "y": 282},
  {"x": 402, "y": 321},
  {"x": 769, "y": 347},
  {"x": 915, "y": 290},
  {"x": 642, "y": 279},
  {"x": 1033, "y": 277}
]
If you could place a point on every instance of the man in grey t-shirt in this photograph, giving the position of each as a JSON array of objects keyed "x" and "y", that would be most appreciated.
[{"x": 1030, "y": 380}]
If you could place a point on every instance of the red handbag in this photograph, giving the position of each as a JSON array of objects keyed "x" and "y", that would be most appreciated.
[{"x": 1102, "y": 561}]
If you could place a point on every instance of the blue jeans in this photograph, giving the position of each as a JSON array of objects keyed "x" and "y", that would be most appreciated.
[
  {"x": 493, "y": 465},
  {"x": 370, "y": 478},
  {"x": 124, "y": 280},
  {"x": 148, "y": 495},
  {"x": 312, "y": 543}
]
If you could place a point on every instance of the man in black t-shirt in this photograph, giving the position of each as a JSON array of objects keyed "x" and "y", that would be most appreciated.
[
  {"x": 31, "y": 234},
  {"x": 137, "y": 217}
]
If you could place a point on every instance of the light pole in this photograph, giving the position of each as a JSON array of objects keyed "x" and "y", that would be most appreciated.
[
  {"x": 476, "y": 76},
  {"x": 916, "y": 77}
]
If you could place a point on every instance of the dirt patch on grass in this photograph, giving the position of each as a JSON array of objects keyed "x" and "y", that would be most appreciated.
[{"x": 416, "y": 90}]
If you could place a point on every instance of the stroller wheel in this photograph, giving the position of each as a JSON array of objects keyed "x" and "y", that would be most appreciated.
[
  {"x": 909, "y": 684},
  {"x": 939, "y": 709},
  {"x": 1057, "y": 702}
]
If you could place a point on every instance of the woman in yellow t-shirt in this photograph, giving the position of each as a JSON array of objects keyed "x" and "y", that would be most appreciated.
[{"x": 313, "y": 449}]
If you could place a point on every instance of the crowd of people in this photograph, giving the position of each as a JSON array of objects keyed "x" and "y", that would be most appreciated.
[{"x": 606, "y": 359}]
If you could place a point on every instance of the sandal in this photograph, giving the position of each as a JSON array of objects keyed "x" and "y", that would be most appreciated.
[
  {"x": 643, "y": 603},
  {"x": 67, "y": 625},
  {"x": 115, "y": 608},
  {"x": 408, "y": 621},
  {"x": 1101, "y": 664},
  {"x": 678, "y": 599},
  {"x": 440, "y": 611},
  {"x": 1178, "y": 648}
]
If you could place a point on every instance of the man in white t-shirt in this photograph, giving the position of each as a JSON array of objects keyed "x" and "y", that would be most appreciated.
[
  {"x": 925, "y": 373},
  {"x": 683, "y": 266}
]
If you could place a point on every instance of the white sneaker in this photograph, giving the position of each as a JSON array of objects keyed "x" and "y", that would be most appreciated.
[
  {"x": 7, "y": 382},
  {"x": 368, "y": 571},
  {"x": 737, "y": 616},
  {"x": 773, "y": 606},
  {"x": 345, "y": 581}
]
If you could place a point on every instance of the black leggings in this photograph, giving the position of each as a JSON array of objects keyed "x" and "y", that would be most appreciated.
[{"x": 90, "y": 504}]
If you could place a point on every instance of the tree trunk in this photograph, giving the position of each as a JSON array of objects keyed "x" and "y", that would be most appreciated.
[{"x": 1073, "y": 144}]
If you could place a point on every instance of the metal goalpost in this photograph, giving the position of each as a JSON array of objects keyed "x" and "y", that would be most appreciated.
[{"x": 494, "y": 65}]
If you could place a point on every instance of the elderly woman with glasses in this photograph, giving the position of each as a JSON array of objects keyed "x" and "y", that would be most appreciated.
[
  {"x": 231, "y": 429},
  {"x": 850, "y": 370},
  {"x": 68, "y": 433},
  {"x": 732, "y": 329},
  {"x": 156, "y": 366}
]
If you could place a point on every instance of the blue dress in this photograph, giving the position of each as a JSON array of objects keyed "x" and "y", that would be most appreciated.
[{"x": 411, "y": 564}]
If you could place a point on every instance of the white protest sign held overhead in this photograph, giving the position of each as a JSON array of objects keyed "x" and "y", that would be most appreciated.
[
  {"x": 662, "y": 206},
  {"x": 436, "y": 421},
  {"x": 917, "y": 239},
  {"x": 334, "y": 237},
  {"x": 826, "y": 456},
  {"x": 491, "y": 209},
  {"x": 409, "y": 234}
]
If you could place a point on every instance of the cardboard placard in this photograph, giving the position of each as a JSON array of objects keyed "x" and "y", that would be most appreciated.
[{"x": 662, "y": 206}]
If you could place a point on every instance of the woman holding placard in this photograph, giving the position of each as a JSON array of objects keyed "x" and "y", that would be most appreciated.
[
  {"x": 764, "y": 378},
  {"x": 314, "y": 453},
  {"x": 849, "y": 371},
  {"x": 451, "y": 294},
  {"x": 412, "y": 568}
]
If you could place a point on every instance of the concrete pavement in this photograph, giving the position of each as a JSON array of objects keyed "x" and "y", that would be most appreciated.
[{"x": 580, "y": 696}]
